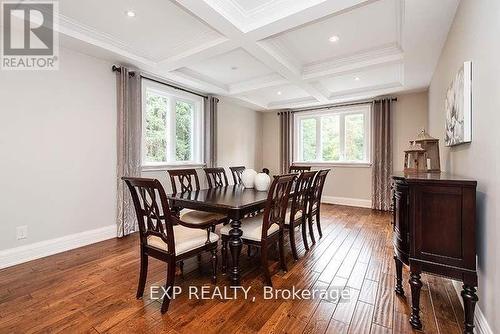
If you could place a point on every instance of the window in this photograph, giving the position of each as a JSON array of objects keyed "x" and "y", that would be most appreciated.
[
  {"x": 339, "y": 136},
  {"x": 171, "y": 126}
]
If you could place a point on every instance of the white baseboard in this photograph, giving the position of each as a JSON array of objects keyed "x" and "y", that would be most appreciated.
[
  {"x": 363, "y": 203},
  {"x": 480, "y": 323},
  {"x": 13, "y": 256}
]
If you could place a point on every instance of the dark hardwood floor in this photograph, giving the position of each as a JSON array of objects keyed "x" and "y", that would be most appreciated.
[{"x": 92, "y": 289}]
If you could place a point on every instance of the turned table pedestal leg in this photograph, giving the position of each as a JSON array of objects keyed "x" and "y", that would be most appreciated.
[{"x": 235, "y": 245}]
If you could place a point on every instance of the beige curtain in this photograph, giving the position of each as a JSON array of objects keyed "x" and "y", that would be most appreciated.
[
  {"x": 286, "y": 140},
  {"x": 128, "y": 145},
  {"x": 382, "y": 155},
  {"x": 211, "y": 131}
]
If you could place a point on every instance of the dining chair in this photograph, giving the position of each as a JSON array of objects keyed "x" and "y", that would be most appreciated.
[
  {"x": 165, "y": 237},
  {"x": 298, "y": 169},
  {"x": 297, "y": 213},
  {"x": 265, "y": 229},
  {"x": 236, "y": 172},
  {"x": 188, "y": 181},
  {"x": 216, "y": 177},
  {"x": 314, "y": 205}
]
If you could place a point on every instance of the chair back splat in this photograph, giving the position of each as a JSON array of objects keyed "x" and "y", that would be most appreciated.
[
  {"x": 216, "y": 177},
  {"x": 277, "y": 202},
  {"x": 236, "y": 172},
  {"x": 152, "y": 210},
  {"x": 317, "y": 188},
  {"x": 186, "y": 178},
  {"x": 302, "y": 191}
]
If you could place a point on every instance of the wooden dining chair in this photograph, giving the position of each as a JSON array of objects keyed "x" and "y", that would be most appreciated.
[
  {"x": 297, "y": 213},
  {"x": 236, "y": 172},
  {"x": 188, "y": 181},
  {"x": 265, "y": 229},
  {"x": 165, "y": 237},
  {"x": 314, "y": 205},
  {"x": 298, "y": 169},
  {"x": 216, "y": 177}
]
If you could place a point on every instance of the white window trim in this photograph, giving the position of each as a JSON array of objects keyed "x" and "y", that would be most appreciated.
[
  {"x": 342, "y": 111},
  {"x": 174, "y": 95}
]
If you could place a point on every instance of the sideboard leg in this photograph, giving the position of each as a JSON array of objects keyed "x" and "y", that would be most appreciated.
[
  {"x": 416, "y": 285},
  {"x": 470, "y": 299},
  {"x": 399, "y": 276}
]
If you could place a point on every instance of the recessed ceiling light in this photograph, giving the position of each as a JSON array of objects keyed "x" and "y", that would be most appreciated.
[
  {"x": 357, "y": 78},
  {"x": 334, "y": 39},
  {"x": 279, "y": 93},
  {"x": 234, "y": 68},
  {"x": 130, "y": 13}
]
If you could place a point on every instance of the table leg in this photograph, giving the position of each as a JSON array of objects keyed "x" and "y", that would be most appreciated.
[
  {"x": 399, "y": 276},
  {"x": 235, "y": 244}
]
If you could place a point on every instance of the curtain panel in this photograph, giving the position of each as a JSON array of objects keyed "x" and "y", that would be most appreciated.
[
  {"x": 129, "y": 128},
  {"x": 382, "y": 155},
  {"x": 211, "y": 131},
  {"x": 286, "y": 140}
]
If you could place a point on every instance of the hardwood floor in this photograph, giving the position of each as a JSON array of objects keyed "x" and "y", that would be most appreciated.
[{"x": 92, "y": 289}]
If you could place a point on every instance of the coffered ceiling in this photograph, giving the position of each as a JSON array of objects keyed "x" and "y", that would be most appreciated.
[{"x": 269, "y": 54}]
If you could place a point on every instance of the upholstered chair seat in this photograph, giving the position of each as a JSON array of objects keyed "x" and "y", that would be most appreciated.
[
  {"x": 186, "y": 239},
  {"x": 252, "y": 228},
  {"x": 200, "y": 217}
]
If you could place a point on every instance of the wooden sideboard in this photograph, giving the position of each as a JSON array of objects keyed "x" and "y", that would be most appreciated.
[{"x": 434, "y": 231}]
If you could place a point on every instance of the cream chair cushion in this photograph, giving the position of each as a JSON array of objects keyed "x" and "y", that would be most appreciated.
[
  {"x": 197, "y": 217},
  {"x": 252, "y": 228},
  {"x": 185, "y": 239}
]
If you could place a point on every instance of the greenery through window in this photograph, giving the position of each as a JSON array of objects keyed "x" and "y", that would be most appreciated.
[
  {"x": 172, "y": 131},
  {"x": 333, "y": 136}
]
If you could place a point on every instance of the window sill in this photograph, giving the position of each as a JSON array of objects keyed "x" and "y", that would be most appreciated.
[
  {"x": 335, "y": 164},
  {"x": 152, "y": 168}
]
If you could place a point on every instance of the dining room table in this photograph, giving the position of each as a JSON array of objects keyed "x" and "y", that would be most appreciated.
[{"x": 234, "y": 201}]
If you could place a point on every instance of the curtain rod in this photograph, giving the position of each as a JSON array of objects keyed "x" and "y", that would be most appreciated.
[
  {"x": 115, "y": 68},
  {"x": 349, "y": 104}
]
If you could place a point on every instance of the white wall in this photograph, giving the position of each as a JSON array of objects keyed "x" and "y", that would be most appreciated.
[
  {"x": 347, "y": 184},
  {"x": 409, "y": 116},
  {"x": 239, "y": 136},
  {"x": 58, "y": 149},
  {"x": 474, "y": 36}
]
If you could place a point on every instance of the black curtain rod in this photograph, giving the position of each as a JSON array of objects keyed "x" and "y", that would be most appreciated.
[
  {"x": 115, "y": 68},
  {"x": 394, "y": 99}
]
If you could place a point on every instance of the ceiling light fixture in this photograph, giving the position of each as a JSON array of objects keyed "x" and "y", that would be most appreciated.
[
  {"x": 130, "y": 13},
  {"x": 334, "y": 39},
  {"x": 279, "y": 93},
  {"x": 234, "y": 68},
  {"x": 357, "y": 78}
]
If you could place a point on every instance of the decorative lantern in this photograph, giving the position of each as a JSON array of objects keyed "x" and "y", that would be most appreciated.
[
  {"x": 431, "y": 147},
  {"x": 415, "y": 158}
]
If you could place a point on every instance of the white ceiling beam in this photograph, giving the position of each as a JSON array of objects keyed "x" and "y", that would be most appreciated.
[{"x": 193, "y": 56}]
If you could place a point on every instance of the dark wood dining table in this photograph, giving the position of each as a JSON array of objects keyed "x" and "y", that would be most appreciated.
[{"x": 235, "y": 201}]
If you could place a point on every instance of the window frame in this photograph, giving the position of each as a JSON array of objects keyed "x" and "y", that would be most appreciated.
[
  {"x": 173, "y": 95},
  {"x": 342, "y": 112}
]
